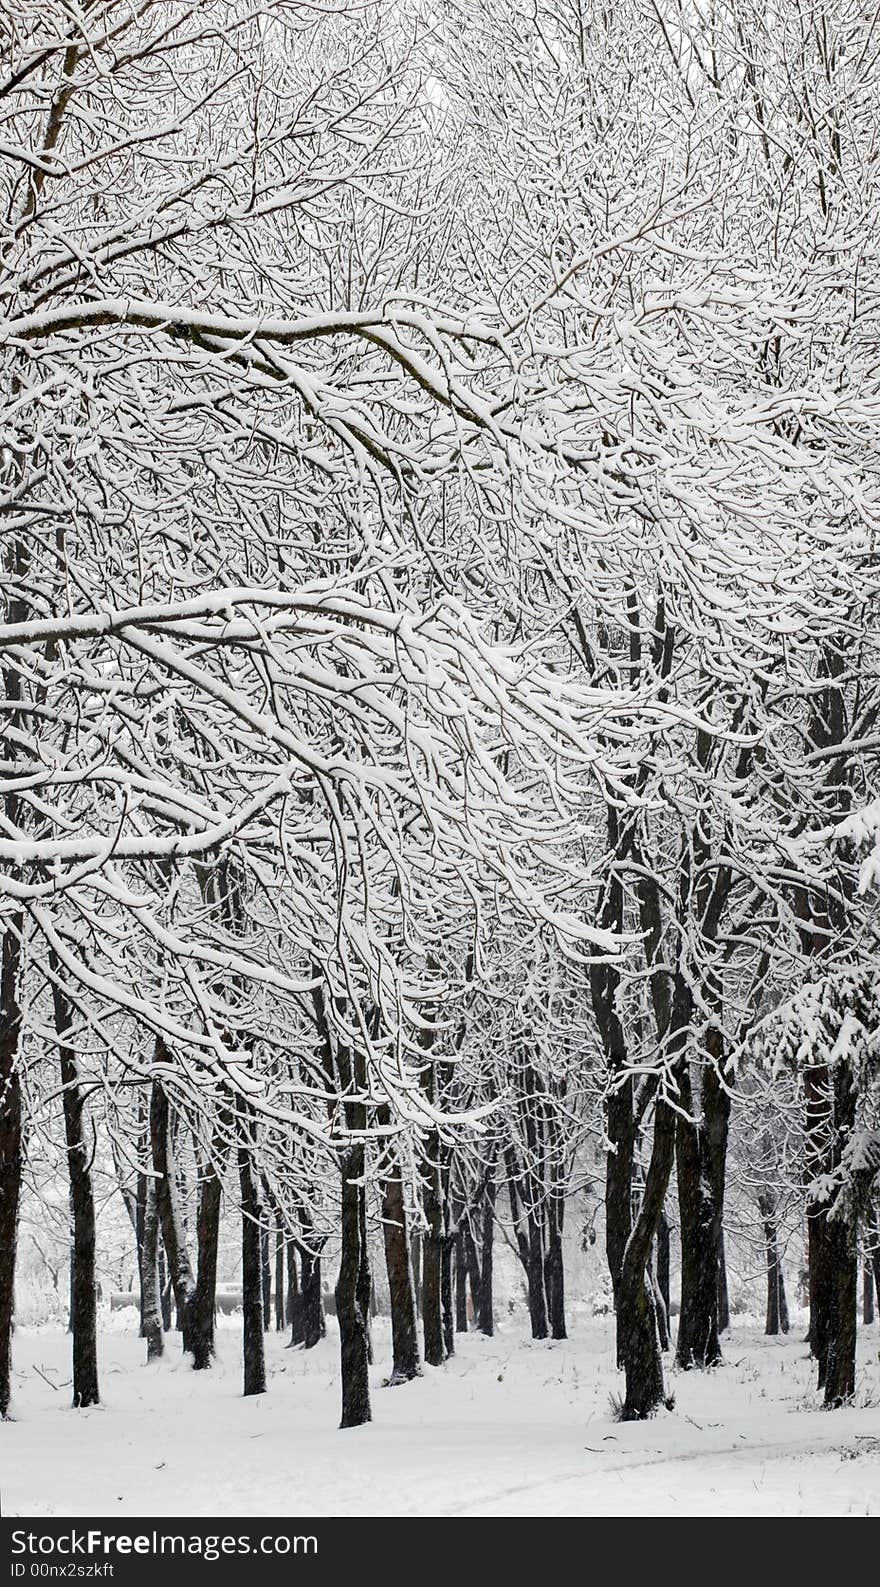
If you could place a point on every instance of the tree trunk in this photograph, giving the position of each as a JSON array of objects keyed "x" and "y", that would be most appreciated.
[
  {"x": 432, "y": 1256},
  {"x": 447, "y": 1305},
  {"x": 416, "y": 1259},
  {"x": 365, "y": 1278},
  {"x": 699, "y": 1198},
  {"x": 461, "y": 1282},
  {"x": 475, "y": 1278},
  {"x": 771, "y": 1248},
  {"x": 833, "y": 1246},
  {"x": 404, "y": 1326},
  {"x": 350, "y": 1312},
  {"x": 663, "y": 1270},
  {"x": 662, "y": 1314},
  {"x": 618, "y": 1180},
  {"x": 151, "y": 1303},
  {"x": 637, "y": 1332},
  {"x": 170, "y": 1216},
  {"x": 723, "y": 1295},
  {"x": 280, "y": 1313},
  {"x": 554, "y": 1272},
  {"x": 295, "y": 1309},
  {"x": 164, "y": 1280},
  {"x": 140, "y": 1210},
  {"x": 11, "y": 1160},
  {"x": 486, "y": 1312},
  {"x": 83, "y": 1291},
  {"x": 251, "y": 1267},
  {"x": 266, "y": 1279},
  {"x": 867, "y": 1292},
  {"x": 840, "y": 1368},
  {"x": 312, "y": 1299},
  {"x": 204, "y": 1301}
]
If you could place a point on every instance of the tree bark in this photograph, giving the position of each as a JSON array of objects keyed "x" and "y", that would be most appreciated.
[
  {"x": 280, "y": 1313},
  {"x": 251, "y": 1266},
  {"x": 701, "y": 1152},
  {"x": 663, "y": 1270},
  {"x": 83, "y": 1290},
  {"x": 867, "y": 1292},
  {"x": 11, "y": 1159},
  {"x": 448, "y": 1308},
  {"x": 350, "y": 1313},
  {"x": 170, "y": 1217},
  {"x": 312, "y": 1298},
  {"x": 832, "y": 1234},
  {"x": 461, "y": 1283},
  {"x": 767, "y": 1207},
  {"x": 486, "y": 1310},
  {"x": 554, "y": 1271},
  {"x": 204, "y": 1300},
  {"x": 432, "y": 1255},
  {"x": 637, "y": 1332},
  {"x": 164, "y": 1280},
  {"x": 404, "y": 1326},
  {"x": 295, "y": 1310},
  {"x": 151, "y": 1302},
  {"x": 266, "y": 1279}
]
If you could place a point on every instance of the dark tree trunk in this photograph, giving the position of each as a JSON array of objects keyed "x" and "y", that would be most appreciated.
[
  {"x": 697, "y": 1344},
  {"x": 701, "y": 1150},
  {"x": 416, "y": 1257},
  {"x": 170, "y": 1216},
  {"x": 637, "y": 1332},
  {"x": 83, "y": 1289},
  {"x": 663, "y": 1269},
  {"x": 475, "y": 1278},
  {"x": 840, "y": 1368},
  {"x": 350, "y": 1310},
  {"x": 312, "y": 1299},
  {"x": 164, "y": 1280},
  {"x": 833, "y": 1248},
  {"x": 619, "y": 1180},
  {"x": 295, "y": 1309},
  {"x": 404, "y": 1327},
  {"x": 251, "y": 1266},
  {"x": 821, "y": 1279},
  {"x": 432, "y": 1256},
  {"x": 151, "y": 1302},
  {"x": 486, "y": 1310},
  {"x": 716, "y": 1129},
  {"x": 662, "y": 1314},
  {"x": 535, "y": 1276},
  {"x": 204, "y": 1301},
  {"x": 140, "y": 1210},
  {"x": 554, "y": 1272},
  {"x": 280, "y": 1312},
  {"x": 461, "y": 1282},
  {"x": 266, "y": 1279},
  {"x": 365, "y": 1278},
  {"x": 619, "y": 1096},
  {"x": 783, "y": 1302},
  {"x": 867, "y": 1292},
  {"x": 723, "y": 1295},
  {"x": 767, "y": 1206},
  {"x": 11, "y": 1160},
  {"x": 530, "y": 1245},
  {"x": 448, "y": 1308},
  {"x": 639, "y": 1344}
]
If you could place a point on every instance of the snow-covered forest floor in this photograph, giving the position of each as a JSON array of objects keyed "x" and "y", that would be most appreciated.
[{"x": 507, "y": 1427}]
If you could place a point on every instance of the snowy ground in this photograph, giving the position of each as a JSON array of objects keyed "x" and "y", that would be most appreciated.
[{"x": 508, "y": 1427}]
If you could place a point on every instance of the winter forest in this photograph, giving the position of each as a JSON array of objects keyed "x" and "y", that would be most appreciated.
[{"x": 440, "y": 767}]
